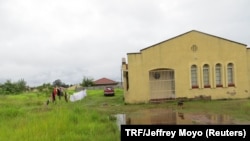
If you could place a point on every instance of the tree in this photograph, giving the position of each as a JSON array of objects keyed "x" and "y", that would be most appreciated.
[
  {"x": 86, "y": 82},
  {"x": 45, "y": 87},
  {"x": 20, "y": 85},
  {"x": 13, "y": 88},
  {"x": 8, "y": 87},
  {"x": 58, "y": 83}
]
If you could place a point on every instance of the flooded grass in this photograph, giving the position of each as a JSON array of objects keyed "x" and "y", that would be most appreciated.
[
  {"x": 192, "y": 112},
  {"x": 237, "y": 109}
]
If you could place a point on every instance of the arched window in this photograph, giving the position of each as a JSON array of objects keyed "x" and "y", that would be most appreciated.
[
  {"x": 206, "y": 80},
  {"x": 218, "y": 75},
  {"x": 194, "y": 78},
  {"x": 230, "y": 76}
]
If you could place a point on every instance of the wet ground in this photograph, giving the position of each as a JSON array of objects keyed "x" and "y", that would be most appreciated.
[{"x": 170, "y": 116}]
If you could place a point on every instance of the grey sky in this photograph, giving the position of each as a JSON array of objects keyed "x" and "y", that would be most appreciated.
[{"x": 45, "y": 40}]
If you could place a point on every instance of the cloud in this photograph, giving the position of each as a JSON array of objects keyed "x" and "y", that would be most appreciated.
[{"x": 44, "y": 40}]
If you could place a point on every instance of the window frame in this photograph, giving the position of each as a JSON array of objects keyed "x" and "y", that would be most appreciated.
[
  {"x": 218, "y": 75},
  {"x": 194, "y": 77},
  {"x": 230, "y": 75},
  {"x": 206, "y": 75}
]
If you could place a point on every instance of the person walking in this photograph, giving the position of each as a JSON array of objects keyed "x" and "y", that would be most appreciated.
[
  {"x": 59, "y": 92},
  {"x": 54, "y": 93},
  {"x": 66, "y": 96}
]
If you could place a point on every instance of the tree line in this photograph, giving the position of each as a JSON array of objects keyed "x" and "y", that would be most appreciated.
[
  {"x": 10, "y": 87},
  {"x": 20, "y": 86}
]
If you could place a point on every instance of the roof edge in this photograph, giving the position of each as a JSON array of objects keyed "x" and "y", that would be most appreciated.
[
  {"x": 134, "y": 53},
  {"x": 190, "y": 32}
]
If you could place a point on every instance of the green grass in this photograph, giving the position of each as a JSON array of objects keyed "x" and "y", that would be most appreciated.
[{"x": 26, "y": 116}]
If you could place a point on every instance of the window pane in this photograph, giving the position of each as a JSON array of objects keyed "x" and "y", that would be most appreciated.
[
  {"x": 218, "y": 74},
  {"x": 194, "y": 75},
  {"x": 206, "y": 75},
  {"x": 230, "y": 73}
]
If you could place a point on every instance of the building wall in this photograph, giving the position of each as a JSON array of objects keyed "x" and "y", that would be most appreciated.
[
  {"x": 248, "y": 66},
  {"x": 179, "y": 54}
]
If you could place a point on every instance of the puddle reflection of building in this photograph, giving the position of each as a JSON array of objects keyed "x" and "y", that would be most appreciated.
[
  {"x": 152, "y": 116},
  {"x": 159, "y": 116},
  {"x": 181, "y": 115},
  {"x": 128, "y": 120},
  {"x": 219, "y": 119}
]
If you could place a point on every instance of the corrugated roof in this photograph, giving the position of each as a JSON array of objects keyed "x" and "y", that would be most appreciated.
[{"x": 104, "y": 81}]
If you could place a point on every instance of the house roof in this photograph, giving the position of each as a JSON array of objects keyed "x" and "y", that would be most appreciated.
[
  {"x": 185, "y": 34},
  {"x": 103, "y": 81}
]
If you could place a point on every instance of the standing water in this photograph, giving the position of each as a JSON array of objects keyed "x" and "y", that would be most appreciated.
[{"x": 170, "y": 116}]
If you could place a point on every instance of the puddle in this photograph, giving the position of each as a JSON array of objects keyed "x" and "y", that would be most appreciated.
[{"x": 169, "y": 116}]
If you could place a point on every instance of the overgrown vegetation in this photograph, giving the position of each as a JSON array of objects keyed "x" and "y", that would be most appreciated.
[
  {"x": 27, "y": 117},
  {"x": 13, "y": 87},
  {"x": 87, "y": 81}
]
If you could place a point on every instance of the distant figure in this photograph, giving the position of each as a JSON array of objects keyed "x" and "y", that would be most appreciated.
[
  {"x": 59, "y": 92},
  {"x": 180, "y": 103},
  {"x": 53, "y": 94},
  {"x": 66, "y": 97}
]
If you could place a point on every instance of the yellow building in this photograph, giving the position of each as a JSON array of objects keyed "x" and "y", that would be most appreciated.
[{"x": 191, "y": 65}]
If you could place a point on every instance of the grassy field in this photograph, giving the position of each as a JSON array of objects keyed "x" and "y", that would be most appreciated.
[{"x": 26, "y": 116}]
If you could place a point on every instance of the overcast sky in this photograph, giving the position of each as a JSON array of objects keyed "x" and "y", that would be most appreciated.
[{"x": 45, "y": 40}]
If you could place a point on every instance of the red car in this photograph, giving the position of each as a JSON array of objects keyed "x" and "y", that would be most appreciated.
[{"x": 109, "y": 91}]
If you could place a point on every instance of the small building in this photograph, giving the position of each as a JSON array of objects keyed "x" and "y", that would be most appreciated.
[
  {"x": 105, "y": 82},
  {"x": 193, "y": 64}
]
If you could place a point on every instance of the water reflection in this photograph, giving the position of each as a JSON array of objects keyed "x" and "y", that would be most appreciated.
[{"x": 170, "y": 116}]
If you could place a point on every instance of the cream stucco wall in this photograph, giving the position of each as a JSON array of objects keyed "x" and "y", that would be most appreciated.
[{"x": 177, "y": 54}]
